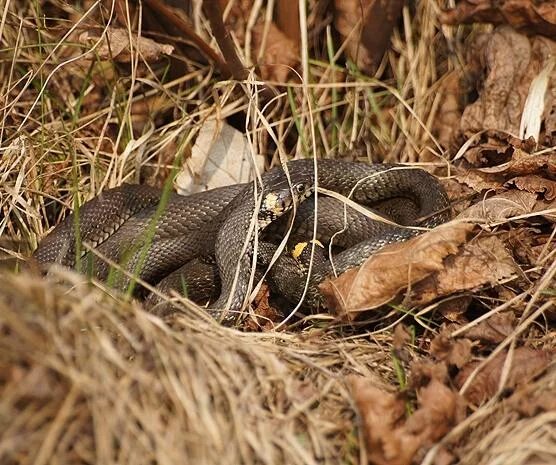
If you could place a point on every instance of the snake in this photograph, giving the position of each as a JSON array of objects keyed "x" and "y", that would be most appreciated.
[{"x": 163, "y": 238}]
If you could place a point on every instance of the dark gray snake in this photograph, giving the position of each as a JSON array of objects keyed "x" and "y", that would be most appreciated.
[{"x": 154, "y": 236}]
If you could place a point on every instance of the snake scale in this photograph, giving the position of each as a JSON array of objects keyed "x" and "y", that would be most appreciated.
[{"x": 164, "y": 240}]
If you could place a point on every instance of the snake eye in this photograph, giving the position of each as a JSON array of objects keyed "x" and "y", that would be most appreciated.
[{"x": 300, "y": 188}]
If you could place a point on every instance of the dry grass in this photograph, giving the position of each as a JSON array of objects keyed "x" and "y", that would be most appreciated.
[{"x": 88, "y": 378}]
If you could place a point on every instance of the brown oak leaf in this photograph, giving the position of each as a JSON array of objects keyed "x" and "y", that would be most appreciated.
[
  {"x": 484, "y": 261},
  {"x": 525, "y": 364},
  {"x": 392, "y": 269}
]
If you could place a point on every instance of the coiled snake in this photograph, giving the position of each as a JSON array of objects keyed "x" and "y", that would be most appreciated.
[{"x": 137, "y": 227}]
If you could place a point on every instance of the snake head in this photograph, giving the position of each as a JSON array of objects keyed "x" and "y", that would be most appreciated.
[{"x": 282, "y": 198}]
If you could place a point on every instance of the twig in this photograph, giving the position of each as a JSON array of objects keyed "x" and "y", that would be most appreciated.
[
  {"x": 120, "y": 11},
  {"x": 170, "y": 15},
  {"x": 214, "y": 15}
]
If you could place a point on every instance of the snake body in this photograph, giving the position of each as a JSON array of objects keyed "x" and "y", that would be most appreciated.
[{"x": 156, "y": 236}]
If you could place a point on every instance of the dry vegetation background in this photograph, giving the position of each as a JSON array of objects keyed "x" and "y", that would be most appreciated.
[{"x": 447, "y": 357}]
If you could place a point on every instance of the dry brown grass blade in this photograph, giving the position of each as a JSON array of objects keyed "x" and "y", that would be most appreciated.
[{"x": 86, "y": 376}]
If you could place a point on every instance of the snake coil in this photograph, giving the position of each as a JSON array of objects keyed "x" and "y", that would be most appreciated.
[{"x": 153, "y": 237}]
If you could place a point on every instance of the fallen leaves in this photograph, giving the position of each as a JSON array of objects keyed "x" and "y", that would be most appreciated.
[
  {"x": 433, "y": 265},
  {"x": 452, "y": 352},
  {"x": 394, "y": 435},
  {"x": 220, "y": 156},
  {"x": 511, "y": 61},
  {"x": 525, "y": 363},
  {"x": 392, "y": 269},
  {"x": 535, "y": 17},
  {"x": 484, "y": 261},
  {"x": 278, "y": 53},
  {"x": 274, "y": 50},
  {"x": 119, "y": 44},
  {"x": 523, "y": 163},
  {"x": 393, "y": 440},
  {"x": 494, "y": 329},
  {"x": 535, "y": 184},
  {"x": 500, "y": 207}
]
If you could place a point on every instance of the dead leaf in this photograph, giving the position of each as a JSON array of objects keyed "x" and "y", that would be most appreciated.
[
  {"x": 424, "y": 371},
  {"x": 273, "y": 49},
  {"x": 280, "y": 53},
  {"x": 264, "y": 315},
  {"x": 392, "y": 269},
  {"x": 536, "y": 184},
  {"x": 115, "y": 45},
  {"x": 440, "y": 410},
  {"x": 526, "y": 363},
  {"x": 500, "y": 207},
  {"x": 511, "y": 61},
  {"x": 381, "y": 412},
  {"x": 524, "y": 242},
  {"x": 523, "y": 163},
  {"x": 366, "y": 25},
  {"x": 534, "y": 17},
  {"x": 546, "y": 209},
  {"x": 455, "y": 352},
  {"x": 390, "y": 440},
  {"x": 220, "y": 156},
  {"x": 484, "y": 261},
  {"x": 493, "y": 330},
  {"x": 400, "y": 340},
  {"x": 454, "y": 309},
  {"x": 479, "y": 181}
]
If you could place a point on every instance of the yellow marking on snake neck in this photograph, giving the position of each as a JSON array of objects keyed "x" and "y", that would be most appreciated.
[{"x": 300, "y": 247}]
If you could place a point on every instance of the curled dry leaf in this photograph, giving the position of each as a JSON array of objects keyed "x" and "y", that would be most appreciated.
[
  {"x": 523, "y": 163},
  {"x": 264, "y": 314},
  {"x": 511, "y": 61},
  {"x": 535, "y": 17},
  {"x": 493, "y": 330},
  {"x": 525, "y": 364},
  {"x": 452, "y": 351},
  {"x": 366, "y": 25},
  {"x": 390, "y": 440},
  {"x": 423, "y": 371},
  {"x": 400, "y": 340},
  {"x": 401, "y": 337},
  {"x": 500, "y": 207},
  {"x": 273, "y": 50},
  {"x": 439, "y": 411},
  {"x": 536, "y": 184},
  {"x": 118, "y": 44},
  {"x": 392, "y": 269},
  {"x": 454, "y": 310},
  {"x": 381, "y": 412},
  {"x": 547, "y": 209},
  {"x": 484, "y": 261},
  {"x": 497, "y": 147},
  {"x": 477, "y": 180}
]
